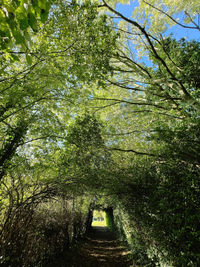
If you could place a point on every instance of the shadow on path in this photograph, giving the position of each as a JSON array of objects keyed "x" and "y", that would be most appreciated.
[
  {"x": 100, "y": 249},
  {"x": 103, "y": 249}
]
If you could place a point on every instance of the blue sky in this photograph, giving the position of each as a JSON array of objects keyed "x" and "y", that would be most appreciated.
[{"x": 178, "y": 31}]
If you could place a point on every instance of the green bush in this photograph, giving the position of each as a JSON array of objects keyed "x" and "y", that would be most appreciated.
[{"x": 110, "y": 220}]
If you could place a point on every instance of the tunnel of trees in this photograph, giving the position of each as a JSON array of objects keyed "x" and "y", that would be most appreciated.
[{"x": 100, "y": 108}]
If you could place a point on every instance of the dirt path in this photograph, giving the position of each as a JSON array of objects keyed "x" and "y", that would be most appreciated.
[{"x": 100, "y": 249}]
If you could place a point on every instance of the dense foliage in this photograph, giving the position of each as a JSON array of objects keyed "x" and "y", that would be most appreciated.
[{"x": 99, "y": 110}]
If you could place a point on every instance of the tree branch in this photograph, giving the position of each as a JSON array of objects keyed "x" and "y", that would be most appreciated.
[
  {"x": 133, "y": 151},
  {"x": 132, "y": 132},
  {"x": 153, "y": 50},
  {"x": 170, "y": 17},
  {"x": 131, "y": 103},
  {"x": 126, "y": 87}
]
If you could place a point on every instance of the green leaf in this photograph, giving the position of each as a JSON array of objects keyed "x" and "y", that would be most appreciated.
[
  {"x": 32, "y": 21},
  {"x": 34, "y": 3},
  {"x": 29, "y": 59},
  {"x": 4, "y": 33},
  {"x": 42, "y": 4},
  {"x": 11, "y": 21},
  {"x": 18, "y": 36},
  {"x": 44, "y": 15},
  {"x": 15, "y": 58},
  {"x": 15, "y": 3},
  {"x": 23, "y": 23}
]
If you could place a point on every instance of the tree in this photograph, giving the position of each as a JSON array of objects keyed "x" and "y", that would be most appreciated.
[
  {"x": 84, "y": 159},
  {"x": 144, "y": 85},
  {"x": 152, "y": 113},
  {"x": 42, "y": 91}
]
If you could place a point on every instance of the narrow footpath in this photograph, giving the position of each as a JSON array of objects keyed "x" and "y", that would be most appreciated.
[{"x": 100, "y": 249}]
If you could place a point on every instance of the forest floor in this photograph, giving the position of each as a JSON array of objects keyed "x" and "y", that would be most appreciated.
[{"x": 100, "y": 249}]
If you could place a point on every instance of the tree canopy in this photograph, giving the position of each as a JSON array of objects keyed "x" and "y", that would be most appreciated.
[{"x": 103, "y": 109}]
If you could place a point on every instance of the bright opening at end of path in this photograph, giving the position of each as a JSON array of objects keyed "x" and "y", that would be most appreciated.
[{"x": 99, "y": 218}]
